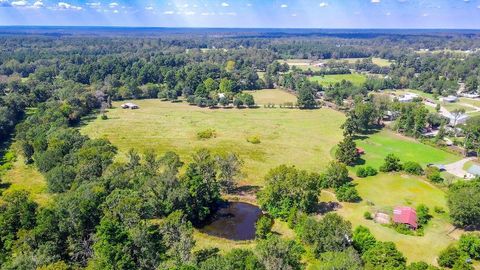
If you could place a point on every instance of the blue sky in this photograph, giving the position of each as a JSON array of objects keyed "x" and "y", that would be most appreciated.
[{"x": 245, "y": 13}]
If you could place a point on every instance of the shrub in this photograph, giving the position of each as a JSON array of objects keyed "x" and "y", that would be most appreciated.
[
  {"x": 363, "y": 239},
  {"x": 253, "y": 139},
  {"x": 263, "y": 227},
  {"x": 391, "y": 164},
  {"x": 371, "y": 171},
  {"x": 449, "y": 257},
  {"x": 361, "y": 172},
  {"x": 367, "y": 215},
  {"x": 347, "y": 193},
  {"x": 438, "y": 209},
  {"x": 237, "y": 102},
  {"x": 412, "y": 168},
  {"x": 191, "y": 100},
  {"x": 206, "y": 134},
  {"x": 433, "y": 174},
  {"x": 423, "y": 214},
  {"x": 104, "y": 117},
  {"x": 470, "y": 244}
]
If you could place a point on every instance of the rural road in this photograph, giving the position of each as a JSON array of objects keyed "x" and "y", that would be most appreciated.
[{"x": 456, "y": 168}]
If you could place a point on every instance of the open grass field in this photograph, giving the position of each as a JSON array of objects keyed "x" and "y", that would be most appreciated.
[
  {"x": 355, "y": 78},
  {"x": 26, "y": 177},
  {"x": 288, "y": 136},
  {"x": 275, "y": 96},
  {"x": 385, "y": 191},
  {"x": 378, "y": 145}
]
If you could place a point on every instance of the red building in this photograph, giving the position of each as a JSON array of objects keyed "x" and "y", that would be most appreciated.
[{"x": 405, "y": 215}]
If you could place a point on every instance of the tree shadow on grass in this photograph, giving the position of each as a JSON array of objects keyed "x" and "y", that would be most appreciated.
[
  {"x": 359, "y": 161},
  {"x": 326, "y": 207},
  {"x": 244, "y": 190}
]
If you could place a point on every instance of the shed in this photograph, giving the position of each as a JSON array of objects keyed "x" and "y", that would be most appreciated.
[
  {"x": 360, "y": 151},
  {"x": 449, "y": 99},
  {"x": 130, "y": 105},
  {"x": 405, "y": 215},
  {"x": 381, "y": 218}
]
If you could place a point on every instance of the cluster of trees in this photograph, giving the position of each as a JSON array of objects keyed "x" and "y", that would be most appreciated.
[
  {"x": 460, "y": 255},
  {"x": 463, "y": 203}
]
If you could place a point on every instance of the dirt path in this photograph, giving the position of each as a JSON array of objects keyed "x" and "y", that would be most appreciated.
[{"x": 456, "y": 168}]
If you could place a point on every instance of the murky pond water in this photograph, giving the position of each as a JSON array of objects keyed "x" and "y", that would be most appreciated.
[{"x": 235, "y": 221}]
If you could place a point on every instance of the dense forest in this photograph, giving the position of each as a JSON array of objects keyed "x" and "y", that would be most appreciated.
[{"x": 140, "y": 214}]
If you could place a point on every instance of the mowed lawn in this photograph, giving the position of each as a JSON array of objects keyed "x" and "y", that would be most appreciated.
[
  {"x": 355, "y": 78},
  {"x": 288, "y": 136},
  {"x": 274, "y": 96},
  {"x": 379, "y": 145},
  {"x": 385, "y": 191}
]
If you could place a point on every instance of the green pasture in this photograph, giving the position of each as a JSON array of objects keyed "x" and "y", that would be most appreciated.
[
  {"x": 274, "y": 96},
  {"x": 302, "y": 138},
  {"x": 355, "y": 78}
]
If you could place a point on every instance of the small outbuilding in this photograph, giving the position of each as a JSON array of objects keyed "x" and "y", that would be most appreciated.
[
  {"x": 405, "y": 215},
  {"x": 360, "y": 151},
  {"x": 130, "y": 105},
  {"x": 381, "y": 218},
  {"x": 449, "y": 99}
]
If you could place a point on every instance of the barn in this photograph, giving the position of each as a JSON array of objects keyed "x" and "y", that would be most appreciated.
[{"x": 405, "y": 215}]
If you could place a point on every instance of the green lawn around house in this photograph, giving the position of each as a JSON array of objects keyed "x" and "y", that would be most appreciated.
[
  {"x": 385, "y": 191},
  {"x": 380, "y": 144}
]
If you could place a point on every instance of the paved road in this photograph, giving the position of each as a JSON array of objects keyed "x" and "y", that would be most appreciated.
[{"x": 456, "y": 168}]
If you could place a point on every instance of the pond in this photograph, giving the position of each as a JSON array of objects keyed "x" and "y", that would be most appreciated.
[{"x": 234, "y": 221}]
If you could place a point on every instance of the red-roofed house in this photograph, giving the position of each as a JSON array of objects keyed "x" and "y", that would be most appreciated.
[
  {"x": 405, "y": 215},
  {"x": 360, "y": 151}
]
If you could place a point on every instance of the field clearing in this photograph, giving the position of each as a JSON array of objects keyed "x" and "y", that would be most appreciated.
[
  {"x": 275, "y": 96},
  {"x": 355, "y": 78},
  {"x": 288, "y": 136},
  {"x": 26, "y": 177},
  {"x": 380, "y": 144},
  {"x": 471, "y": 101},
  {"x": 386, "y": 191}
]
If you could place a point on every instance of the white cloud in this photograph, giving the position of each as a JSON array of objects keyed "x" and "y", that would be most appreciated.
[
  {"x": 38, "y": 4},
  {"x": 20, "y": 3},
  {"x": 113, "y": 5},
  {"x": 478, "y": 6},
  {"x": 63, "y": 5},
  {"x": 225, "y": 4},
  {"x": 207, "y": 13},
  {"x": 425, "y": 15},
  {"x": 294, "y": 15},
  {"x": 375, "y": 1},
  {"x": 388, "y": 13},
  {"x": 249, "y": 5},
  {"x": 149, "y": 8},
  {"x": 94, "y": 4},
  {"x": 169, "y": 12},
  {"x": 189, "y": 13},
  {"x": 323, "y": 4},
  {"x": 283, "y": 5}
]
